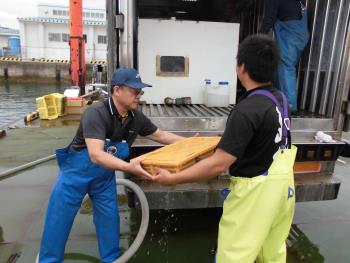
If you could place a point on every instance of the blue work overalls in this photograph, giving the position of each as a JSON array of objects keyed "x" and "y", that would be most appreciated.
[
  {"x": 78, "y": 176},
  {"x": 292, "y": 37}
]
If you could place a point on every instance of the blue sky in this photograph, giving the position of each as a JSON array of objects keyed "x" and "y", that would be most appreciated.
[{"x": 12, "y": 9}]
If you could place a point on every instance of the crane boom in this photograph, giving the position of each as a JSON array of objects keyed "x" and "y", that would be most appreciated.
[{"x": 77, "y": 45}]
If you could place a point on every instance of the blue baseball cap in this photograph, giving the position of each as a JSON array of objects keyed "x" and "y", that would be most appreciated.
[{"x": 128, "y": 77}]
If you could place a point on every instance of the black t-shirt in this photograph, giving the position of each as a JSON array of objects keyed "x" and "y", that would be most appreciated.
[
  {"x": 102, "y": 121},
  {"x": 283, "y": 10},
  {"x": 252, "y": 134}
]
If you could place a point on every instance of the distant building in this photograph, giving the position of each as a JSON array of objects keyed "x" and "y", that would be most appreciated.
[
  {"x": 47, "y": 36},
  {"x": 7, "y": 37}
]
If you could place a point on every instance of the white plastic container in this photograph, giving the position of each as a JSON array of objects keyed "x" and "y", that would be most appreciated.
[
  {"x": 207, "y": 85},
  {"x": 218, "y": 95}
]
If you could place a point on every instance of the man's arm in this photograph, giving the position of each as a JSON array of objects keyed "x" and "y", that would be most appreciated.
[
  {"x": 164, "y": 137},
  {"x": 270, "y": 15},
  {"x": 210, "y": 167},
  {"x": 100, "y": 157}
]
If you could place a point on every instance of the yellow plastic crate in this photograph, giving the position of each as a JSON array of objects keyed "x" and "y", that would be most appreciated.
[
  {"x": 60, "y": 100},
  {"x": 46, "y": 105}
]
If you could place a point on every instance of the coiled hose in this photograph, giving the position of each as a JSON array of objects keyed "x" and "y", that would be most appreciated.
[
  {"x": 127, "y": 183},
  {"x": 144, "y": 221}
]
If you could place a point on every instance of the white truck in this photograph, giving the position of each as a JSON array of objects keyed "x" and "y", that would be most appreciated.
[{"x": 177, "y": 44}]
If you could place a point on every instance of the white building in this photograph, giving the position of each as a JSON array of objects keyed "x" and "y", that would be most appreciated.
[{"x": 47, "y": 36}]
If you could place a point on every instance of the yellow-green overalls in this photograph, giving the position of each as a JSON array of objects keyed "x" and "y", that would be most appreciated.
[{"x": 258, "y": 211}]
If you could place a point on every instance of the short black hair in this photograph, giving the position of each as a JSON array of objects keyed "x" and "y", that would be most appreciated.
[{"x": 260, "y": 55}]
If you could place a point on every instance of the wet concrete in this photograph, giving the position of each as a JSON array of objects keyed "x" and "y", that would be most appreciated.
[
  {"x": 327, "y": 223},
  {"x": 24, "y": 145}
]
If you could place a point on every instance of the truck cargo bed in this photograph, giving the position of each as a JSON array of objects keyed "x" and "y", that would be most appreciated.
[{"x": 190, "y": 119}]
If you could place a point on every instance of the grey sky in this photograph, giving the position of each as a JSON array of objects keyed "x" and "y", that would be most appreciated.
[{"x": 10, "y": 10}]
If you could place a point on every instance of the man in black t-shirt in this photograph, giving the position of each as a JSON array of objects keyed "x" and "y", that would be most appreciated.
[
  {"x": 259, "y": 208},
  {"x": 100, "y": 146}
]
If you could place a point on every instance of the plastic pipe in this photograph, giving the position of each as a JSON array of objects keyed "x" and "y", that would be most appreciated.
[
  {"x": 127, "y": 183},
  {"x": 26, "y": 166},
  {"x": 144, "y": 222}
]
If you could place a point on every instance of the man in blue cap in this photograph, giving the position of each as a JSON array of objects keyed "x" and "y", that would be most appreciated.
[{"x": 100, "y": 146}]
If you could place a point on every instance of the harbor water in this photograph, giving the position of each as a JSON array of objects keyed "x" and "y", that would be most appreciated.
[
  {"x": 16, "y": 100},
  {"x": 320, "y": 232}
]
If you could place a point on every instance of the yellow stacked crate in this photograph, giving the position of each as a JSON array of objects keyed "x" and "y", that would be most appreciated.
[
  {"x": 60, "y": 100},
  {"x": 46, "y": 106}
]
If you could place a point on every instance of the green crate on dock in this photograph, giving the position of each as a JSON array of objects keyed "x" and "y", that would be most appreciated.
[
  {"x": 60, "y": 100},
  {"x": 46, "y": 105}
]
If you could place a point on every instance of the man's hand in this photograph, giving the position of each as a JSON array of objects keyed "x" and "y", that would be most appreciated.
[
  {"x": 135, "y": 168},
  {"x": 164, "y": 177}
]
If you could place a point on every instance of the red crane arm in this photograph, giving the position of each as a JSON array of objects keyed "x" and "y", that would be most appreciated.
[{"x": 77, "y": 45}]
